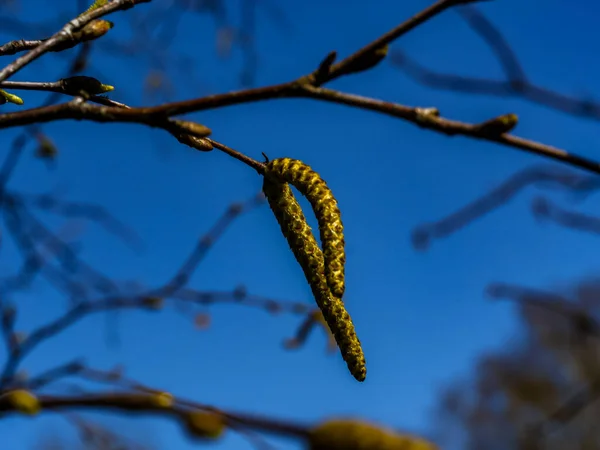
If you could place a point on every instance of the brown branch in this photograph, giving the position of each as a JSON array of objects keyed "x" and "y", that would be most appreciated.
[
  {"x": 438, "y": 7},
  {"x": 156, "y": 116},
  {"x": 148, "y": 403},
  {"x": 60, "y": 87},
  {"x": 20, "y": 45},
  {"x": 452, "y": 127},
  {"x": 258, "y": 166},
  {"x": 78, "y": 109},
  {"x": 324, "y": 435}
]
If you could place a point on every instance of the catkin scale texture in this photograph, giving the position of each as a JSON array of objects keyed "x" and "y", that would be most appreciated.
[
  {"x": 331, "y": 230},
  {"x": 304, "y": 246}
]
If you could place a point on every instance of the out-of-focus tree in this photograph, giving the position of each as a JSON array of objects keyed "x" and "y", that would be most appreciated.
[{"x": 540, "y": 391}]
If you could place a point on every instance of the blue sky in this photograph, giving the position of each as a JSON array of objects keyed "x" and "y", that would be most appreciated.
[{"x": 422, "y": 316}]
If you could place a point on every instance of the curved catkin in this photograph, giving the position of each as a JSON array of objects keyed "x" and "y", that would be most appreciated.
[
  {"x": 331, "y": 230},
  {"x": 303, "y": 244},
  {"x": 359, "y": 435}
]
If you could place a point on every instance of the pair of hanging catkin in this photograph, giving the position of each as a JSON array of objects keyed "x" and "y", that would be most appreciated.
[{"x": 323, "y": 269}]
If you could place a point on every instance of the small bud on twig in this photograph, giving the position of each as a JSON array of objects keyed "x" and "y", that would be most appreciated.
[
  {"x": 76, "y": 84},
  {"x": 366, "y": 61},
  {"x": 498, "y": 125},
  {"x": 7, "y": 97}
]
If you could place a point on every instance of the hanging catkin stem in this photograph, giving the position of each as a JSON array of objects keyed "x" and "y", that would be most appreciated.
[
  {"x": 308, "y": 254},
  {"x": 331, "y": 230}
]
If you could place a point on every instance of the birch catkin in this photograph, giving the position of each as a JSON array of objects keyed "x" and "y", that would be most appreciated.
[
  {"x": 347, "y": 434},
  {"x": 331, "y": 230},
  {"x": 303, "y": 244}
]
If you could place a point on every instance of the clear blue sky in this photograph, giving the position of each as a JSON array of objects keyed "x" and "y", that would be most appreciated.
[{"x": 422, "y": 317}]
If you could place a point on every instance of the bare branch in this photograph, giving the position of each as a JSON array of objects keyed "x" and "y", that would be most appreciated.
[
  {"x": 516, "y": 83},
  {"x": 149, "y": 403},
  {"x": 65, "y": 34},
  {"x": 542, "y": 175},
  {"x": 545, "y": 209},
  {"x": 387, "y": 38}
]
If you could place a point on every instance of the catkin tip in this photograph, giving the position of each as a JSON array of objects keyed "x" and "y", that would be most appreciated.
[{"x": 361, "y": 374}]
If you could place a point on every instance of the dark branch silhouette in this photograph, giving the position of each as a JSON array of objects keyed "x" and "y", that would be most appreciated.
[
  {"x": 543, "y": 176},
  {"x": 516, "y": 84}
]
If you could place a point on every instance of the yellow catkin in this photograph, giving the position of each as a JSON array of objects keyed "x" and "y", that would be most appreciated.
[
  {"x": 303, "y": 244},
  {"x": 24, "y": 401},
  {"x": 359, "y": 435},
  {"x": 163, "y": 399},
  {"x": 331, "y": 230},
  {"x": 205, "y": 425}
]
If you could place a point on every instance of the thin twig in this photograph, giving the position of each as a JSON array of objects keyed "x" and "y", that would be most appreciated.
[
  {"x": 515, "y": 84},
  {"x": 65, "y": 34}
]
